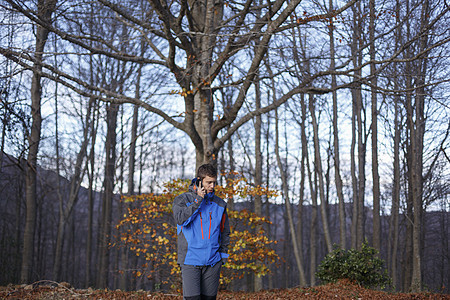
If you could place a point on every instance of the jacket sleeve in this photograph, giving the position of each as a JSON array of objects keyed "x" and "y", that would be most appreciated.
[
  {"x": 184, "y": 211},
  {"x": 225, "y": 234}
]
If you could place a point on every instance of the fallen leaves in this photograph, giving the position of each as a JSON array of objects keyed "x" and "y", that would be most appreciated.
[{"x": 343, "y": 289}]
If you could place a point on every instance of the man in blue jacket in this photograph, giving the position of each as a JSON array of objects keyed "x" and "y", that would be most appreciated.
[{"x": 203, "y": 235}]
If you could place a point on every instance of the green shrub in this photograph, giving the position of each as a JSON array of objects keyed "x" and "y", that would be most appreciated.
[{"x": 362, "y": 267}]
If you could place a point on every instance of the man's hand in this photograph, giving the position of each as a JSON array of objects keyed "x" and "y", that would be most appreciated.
[{"x": 201, "y": 190}]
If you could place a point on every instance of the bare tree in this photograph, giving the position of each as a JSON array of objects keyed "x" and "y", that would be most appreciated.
[
  {"x": 66, "y": 210},
  {"x": 337, "y": 172},
  {"x": 288, "y": 206},
  {"x": 206, "y": 38},
  {"x": 258, "y": 166},
  {"x": 374, "y": 127},
  {"x": 44, "y": 13},
  {"x": 319, "y": 170},
  {"x": 394, "y": 219}
]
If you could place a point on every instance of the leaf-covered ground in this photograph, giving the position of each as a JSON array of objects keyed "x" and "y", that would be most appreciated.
[{"x": 340, "y": 290}]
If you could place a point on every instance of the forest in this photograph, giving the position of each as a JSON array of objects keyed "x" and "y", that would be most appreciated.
[{"x": 329, "y": 122}]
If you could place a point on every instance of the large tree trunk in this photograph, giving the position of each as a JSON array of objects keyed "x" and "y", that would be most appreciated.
[
  {"x": 205, "y": 19},
  {"x": 206, "y": 15},
  {"x": 45, "y": 9}
]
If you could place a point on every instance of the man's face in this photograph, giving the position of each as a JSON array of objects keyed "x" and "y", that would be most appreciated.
[{"x": 209, "y": 183}]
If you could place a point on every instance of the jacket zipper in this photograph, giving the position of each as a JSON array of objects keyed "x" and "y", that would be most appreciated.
[
  {"x": 201, "y": 224},
  {"x": 209, "y": 235}
]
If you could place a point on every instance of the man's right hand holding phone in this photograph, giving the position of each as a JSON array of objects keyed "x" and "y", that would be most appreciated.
[{"x": 201, "y": 190}]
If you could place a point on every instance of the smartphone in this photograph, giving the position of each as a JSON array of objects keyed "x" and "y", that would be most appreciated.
[{"x": 198, "y": 183}]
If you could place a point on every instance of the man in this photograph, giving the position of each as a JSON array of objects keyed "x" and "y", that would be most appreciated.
[{"x": 203, "y": 235}]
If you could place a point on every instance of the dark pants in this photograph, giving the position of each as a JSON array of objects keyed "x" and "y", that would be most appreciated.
[{"x": 200, "y": 282}]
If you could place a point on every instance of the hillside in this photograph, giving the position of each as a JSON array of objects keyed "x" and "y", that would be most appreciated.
[{"x": 435, "y": 243}]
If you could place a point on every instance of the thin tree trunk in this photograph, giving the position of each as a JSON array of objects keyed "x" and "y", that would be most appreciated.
[
  {"x": 417, "y": 127},
  {"x": 123, "y": 282},
  {"x": 304, "y": 150},
  {"x": 44, "y": 12},
  {"x": 258, "y": 169},
  {"x": 337, "y": 172},
  {"x": 313, "y": 186},
  {"x": 394, "y": 219},
  {"x": 354, "y": 225},
  {"x": 298, "y": 258},
  {"x": 358, "y": 182},
  {"x": 407, "y": 267},
  {"x": 267, "y": 202},
  {"x": 60, "y": 231},
  {"x": 110, "y": 145},
  {"x": 375, "y": 175},
  {"x": 360, "y": 233},
  {"x": 319, "y": 171},
  {"x": 313, "y": 229},
  {"x": 72, "y": 197},
  {"x": 90, "y": 163}
]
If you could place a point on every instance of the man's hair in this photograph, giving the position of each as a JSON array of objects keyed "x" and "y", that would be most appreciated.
[{"x": 206, "y": 170}]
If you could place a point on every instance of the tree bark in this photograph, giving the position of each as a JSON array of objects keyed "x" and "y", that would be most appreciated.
[
  {"x": 375, "y": 175},
  {"x": 258, "y": 169},
  {"x": 355, "y": 94},
  {"x": 358, "y": 182},
  {"x": 72, "y": 198},
  {"x": 417, "y": 127},
  {"x": 108, "y": 194},
  {"x": 123, "y": 281},
  {"x": 318, "y": 169},
  {"x": 337, "y": 172},
  {"x": 394, "y": 219},
  {"x": 45, "y": 9},
  {"x": 90, "y": 164},
  {"x": 303, "y": 161},
  {"x": 313, "y": 191},
  {"x": 293, "y": 235}
]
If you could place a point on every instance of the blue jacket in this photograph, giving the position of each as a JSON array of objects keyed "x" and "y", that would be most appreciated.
[{"x": 203, "y": 228}]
